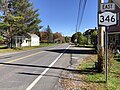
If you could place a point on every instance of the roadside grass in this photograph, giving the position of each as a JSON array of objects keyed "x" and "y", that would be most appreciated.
[
  {"x": 86, "y": 46},
  {"x": 4, "y": 49},
  {"x": 3, "y": 46},
  {"x": 96, "y": 81}
]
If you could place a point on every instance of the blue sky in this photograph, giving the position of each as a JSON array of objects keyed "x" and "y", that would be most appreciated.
[{"x": 61, "y": 15}]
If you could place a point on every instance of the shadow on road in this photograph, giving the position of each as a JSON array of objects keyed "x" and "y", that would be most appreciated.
[
  {"x": 73, "y": 51},
  {"x": 58, "y": 76},
  {"x": 37, "y": 66},
  {"x": 87, "y": 71},
  {"x": 5, "y": 57}
]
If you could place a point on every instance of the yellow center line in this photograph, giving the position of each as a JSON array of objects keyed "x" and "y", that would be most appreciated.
[{"x": 23, "y": 57}]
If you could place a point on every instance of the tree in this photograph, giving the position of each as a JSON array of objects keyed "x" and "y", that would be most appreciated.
[
  {"x": 1, "y": 38},
  {"x": 94, "y": 38},
  {"x": 57, "y": 35},
  {"x": 75, "y": 37},
  {"x": 79, "y": 38},
  {"x": 82, "y": 40},
  {"x": 43, "y": 36},
  {"x": 49, "y": 34},
  {"x": 67, "y": 39},
  {"x": 21, "y": 19},
  {"x": 1, "y": 1},
  {"x": 29, "y": 21}
]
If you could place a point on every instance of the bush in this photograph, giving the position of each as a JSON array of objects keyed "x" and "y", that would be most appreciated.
[
  {"x": 101, "y": 60},
  {"x": 100, "y": 64},
  {"x": 110, "y": 59}
]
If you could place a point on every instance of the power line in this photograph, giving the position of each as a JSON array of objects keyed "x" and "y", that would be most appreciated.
[
  {"x": 78, "y": 15},
  {"x": 81, "y": 9}
]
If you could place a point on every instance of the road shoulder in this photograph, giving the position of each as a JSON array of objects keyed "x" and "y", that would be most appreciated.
[{"x": 70, "y": 78}]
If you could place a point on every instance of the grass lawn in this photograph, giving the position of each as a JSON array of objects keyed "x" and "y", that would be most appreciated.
[
  {"x": 86, "y": 46},
  {"x": 3, "y": 46},
  {"x": 96, "y": 81},
  {"x": 3, "y": 49}
]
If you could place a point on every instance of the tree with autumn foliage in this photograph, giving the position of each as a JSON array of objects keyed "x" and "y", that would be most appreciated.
[
  {"x": 58, "y": 36},
  {"x": 46, "y": 33},
  {"x": 43, "y": 36}
]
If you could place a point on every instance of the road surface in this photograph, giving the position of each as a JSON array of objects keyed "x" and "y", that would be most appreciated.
[{"x": 37, "y": 69}]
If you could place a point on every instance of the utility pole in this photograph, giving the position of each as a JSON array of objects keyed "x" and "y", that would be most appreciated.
[{"x": 101, "y": 31}]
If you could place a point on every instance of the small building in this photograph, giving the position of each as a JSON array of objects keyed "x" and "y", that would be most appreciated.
[{"x": 26, "y": 40}]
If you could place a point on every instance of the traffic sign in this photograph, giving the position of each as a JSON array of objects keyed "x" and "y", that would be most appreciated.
[
  {"x": 107, "y": 19},
  {"x": 107, "y": 6}
]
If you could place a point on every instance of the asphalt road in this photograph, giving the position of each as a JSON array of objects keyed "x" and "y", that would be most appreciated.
[{"x": 37, "y": 69}]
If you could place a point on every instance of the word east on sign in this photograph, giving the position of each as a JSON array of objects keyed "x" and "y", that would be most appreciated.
[{"x": 107, "y": 6}]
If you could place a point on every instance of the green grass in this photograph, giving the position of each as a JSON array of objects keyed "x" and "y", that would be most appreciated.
[
  {"x": 95, "y": 80},
  {"x": 87, "y": 46},
  {"x": 3, "y": 46},
  {"x": 117, "y": 57},
  {"x": 3, "y": 49}
]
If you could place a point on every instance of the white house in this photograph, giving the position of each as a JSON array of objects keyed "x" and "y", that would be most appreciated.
[
  {"x": 35, "y": 40},
  {"x": 27, "y": 40}
]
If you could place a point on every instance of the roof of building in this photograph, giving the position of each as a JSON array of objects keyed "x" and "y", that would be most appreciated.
[
  {"x": 117, "y": 2},
  {"x": 34, "y": 35}
]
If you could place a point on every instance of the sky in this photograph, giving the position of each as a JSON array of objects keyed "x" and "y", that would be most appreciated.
[{"x": 61, "y": 15}]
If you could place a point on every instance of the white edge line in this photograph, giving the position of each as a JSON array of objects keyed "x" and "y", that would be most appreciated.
[{"x": 44, "y": 72}]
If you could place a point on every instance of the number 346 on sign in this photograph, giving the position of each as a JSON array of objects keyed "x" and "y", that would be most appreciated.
[{"x": 107, "y": 19}]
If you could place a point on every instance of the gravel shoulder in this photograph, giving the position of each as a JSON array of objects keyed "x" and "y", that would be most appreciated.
[{"x": 70, "y": 79}]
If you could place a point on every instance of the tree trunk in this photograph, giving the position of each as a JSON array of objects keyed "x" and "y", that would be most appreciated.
[{"x": 11, "y": 41}]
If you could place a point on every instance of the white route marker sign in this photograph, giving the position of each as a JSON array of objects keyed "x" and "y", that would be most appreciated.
[{"x": 107, "y": 19}]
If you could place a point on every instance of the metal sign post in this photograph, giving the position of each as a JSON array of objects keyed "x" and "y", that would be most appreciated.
[
  {"x": 106, "y": 54},
  {"x": 107, "y": 18}
]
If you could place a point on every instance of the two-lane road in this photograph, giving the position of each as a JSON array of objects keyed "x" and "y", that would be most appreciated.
[{"x": 37, "y": 69}]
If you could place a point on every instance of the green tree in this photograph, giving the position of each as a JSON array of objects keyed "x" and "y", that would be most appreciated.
[
  {"x": 67, "y": 39},
  {"x": 75, "y": 37},
  {"x": 82, "y": 40},
  {"x": 94, "y": 38},
  {"x": 1, "y": 1},
  {"x": 21, "y": 19},
  {"x": 49, "y": 34},
  {"x": 79, "y": 38},
  {"x": 29, "y": 17},
  {"x": 1, "y": 38}
]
